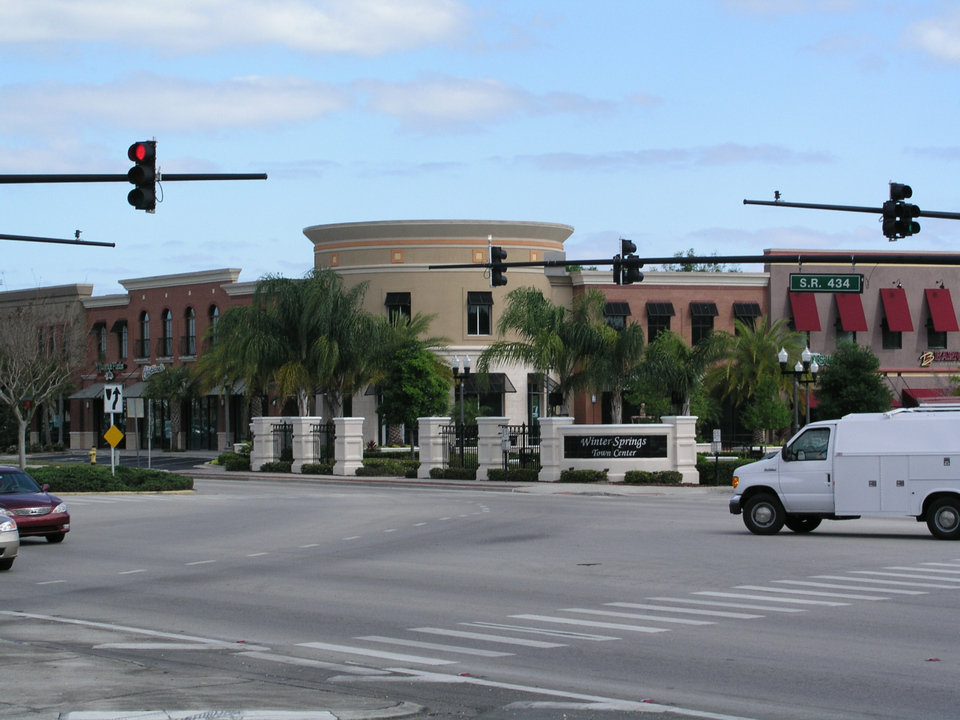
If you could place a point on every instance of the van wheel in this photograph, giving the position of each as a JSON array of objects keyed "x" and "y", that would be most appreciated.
[
  {"x": 802, "y": 523},
  {"x": 943, "y": 518},
  {"x": 763, "y": 514}
]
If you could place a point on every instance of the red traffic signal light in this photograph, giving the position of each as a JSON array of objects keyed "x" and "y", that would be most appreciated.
[{"x": 143, "y": 175}]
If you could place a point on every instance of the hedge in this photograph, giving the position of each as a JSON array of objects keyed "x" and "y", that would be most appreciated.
[
  {"x": 657, "y": 477},
  {"x": 389, "y": 467},
  {"x": 582, "y": 476},
  {"x": 719, "y": 473},
  {"x": 80, "y": 477},
  {"x": 322, "y": 468}
]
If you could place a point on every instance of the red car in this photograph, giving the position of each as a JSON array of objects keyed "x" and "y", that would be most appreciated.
[{"x": 36, "y": 511}]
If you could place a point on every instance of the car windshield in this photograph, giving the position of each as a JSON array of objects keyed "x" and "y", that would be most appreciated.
[{"x": 14, "y": 481}]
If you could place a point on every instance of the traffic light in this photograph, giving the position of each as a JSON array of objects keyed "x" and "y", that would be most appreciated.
[
  {"x": 143, "y": 175},
  {"x": 497, "y": 268},
  {"x": 898, "y": 216},
  {"x": 626, "y": 267}
]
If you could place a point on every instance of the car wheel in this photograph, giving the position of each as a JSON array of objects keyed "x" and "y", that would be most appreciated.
[
  {"x": 943, "y": 518},
  {"x": 763, "y": 514},
  {"x": 7, "y": 563},
  {"x": 802, "y": 523},
  {"x": 55, "y": 537}
]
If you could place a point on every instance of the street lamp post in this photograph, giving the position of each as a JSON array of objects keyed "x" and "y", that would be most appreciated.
[
  {"x": 805, "y": 373},
  {"x": 459, "y": 377}
]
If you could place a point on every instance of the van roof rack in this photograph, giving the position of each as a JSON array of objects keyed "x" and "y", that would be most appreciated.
[{"x": 933, "y": 407}]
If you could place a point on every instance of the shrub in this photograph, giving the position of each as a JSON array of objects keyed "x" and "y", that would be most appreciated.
[
  {"x": 583, "y": 476},
  {"x": 277, "y": 466},
  {"x": 389, "y": 467},
  {"x": 322, "y": 468},
  {"x": 233, "y": 462},
  {"x": 79, "y": 477},
  {"x": 657, "y": 477},
  {"x": 514, "y": 474},
  {"x": 718, "y": 473},
  {"x": 453, "y": 473}
]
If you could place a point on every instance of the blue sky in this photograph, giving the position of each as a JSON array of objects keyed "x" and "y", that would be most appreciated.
[{"x": 633, "y": 118}]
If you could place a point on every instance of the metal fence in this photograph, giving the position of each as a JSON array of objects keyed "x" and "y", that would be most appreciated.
[
  {"x": 323, "y": 435},
  {"x": 524, "y": 448},
  {"x": 282, "y": 434},
  {"x": 461, "y": 445}
]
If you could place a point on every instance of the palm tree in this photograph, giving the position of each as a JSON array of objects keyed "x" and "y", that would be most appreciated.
[
  {"x": 177, "y": 385},
  {"x": 614, "y": 363},
  {"x": 551, "y": 339}
]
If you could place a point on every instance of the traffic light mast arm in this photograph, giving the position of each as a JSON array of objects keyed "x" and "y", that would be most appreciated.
[
  {"x": 93, "y": 178},
  {"x": 30, "y": 238},
  {"x": 848, "y": 208}
]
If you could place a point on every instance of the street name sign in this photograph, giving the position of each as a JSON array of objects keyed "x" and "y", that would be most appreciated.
[{"x": 849, "y": 283}]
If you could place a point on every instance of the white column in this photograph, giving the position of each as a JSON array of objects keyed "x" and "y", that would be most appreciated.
[
  {"x": 684, "y": 450},
  {"x": 551, "y": 447},
  {"x": 432, "y": 448},
  {"x": 348, "y": 445},
  {"x": 489, "y": 450}
]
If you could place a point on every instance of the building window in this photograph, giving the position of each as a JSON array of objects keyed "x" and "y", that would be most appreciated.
[
  {"x": 213, "y": 316},
  {"x": 101, "y": 341},
  {"x": 190, "y": 339},
  {"x": 892, "y": 340},
  {"x": 702, "y": 315},
  {"x": 658, "y": 319},
  {"x": 143, "y": 344},
  {"x": 615, "y": 314},
  {"x": 846, "y": 336},
  {"x": 936, "y": 339},
  {"x": 398, "y": 305},
  {"x": 747, "y": 313},
  {"x": 166, "y": 334},
  {"x": 120, "y": 330},
  {"x": 479, "y": 312}
]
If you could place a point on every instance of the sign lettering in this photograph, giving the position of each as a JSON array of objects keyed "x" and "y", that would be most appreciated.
[{"x": 615, "y": 446}]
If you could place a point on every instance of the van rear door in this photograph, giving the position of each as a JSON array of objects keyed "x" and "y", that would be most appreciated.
[{"x": 806, "y": 471}]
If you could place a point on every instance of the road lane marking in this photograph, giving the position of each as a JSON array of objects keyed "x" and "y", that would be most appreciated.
[
  {"x": 591, "y": 623},
  {"x": 309, "y": 662},
  {"x": 814, "y": 593},
  {"x": 932, "y": 570},
  {"x": 898, "y": 583},
  {"x": 766, "y": 598},
  {"x": 718, "y": 603},
  {"x": 259, "y": 554},
  {"x": 366, "y": 652},
  {"x": 433, "y": 646},
  {"x": 200, "y": 562},
  {"x": 570, "y": 634},
  {"x": 131, "y": 572},
  {"x": 487, "y": 637},
  {"x": 637, "y": 616},
  {"x": 687, "y": 611},
  {"x": 51, "y": 582},
  {"x": 835, "y": 586},
  {"x": 906, "y": 576}
]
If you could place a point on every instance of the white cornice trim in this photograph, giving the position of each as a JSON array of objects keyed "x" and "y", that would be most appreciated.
[{"x": 224, "y": 275}]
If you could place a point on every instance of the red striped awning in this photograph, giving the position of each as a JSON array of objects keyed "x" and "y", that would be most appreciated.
[
  {"x": 913, "y": 396},
  {"x": 805, "y": 316},
  {"x": 896, "y": 309},
  {"x": 942, "y": 314},
  {"x": 850, "y": 308}
]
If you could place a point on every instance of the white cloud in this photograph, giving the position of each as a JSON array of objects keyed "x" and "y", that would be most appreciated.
[
  {"x": 362, "y": 27},
  {"x": 166, "y": 103},
  {"x": 938, "y": 36}
]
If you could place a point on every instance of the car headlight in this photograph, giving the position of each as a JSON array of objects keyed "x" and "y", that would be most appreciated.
[
  {"x": 7, "y": 525},
  {"x": 61, "y": 508}
]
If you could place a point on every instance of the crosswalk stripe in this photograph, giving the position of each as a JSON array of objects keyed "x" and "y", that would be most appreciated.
[
  {"x": 541, "y": 631},
  {"x": 898, "y": 583},
  {"x": 766, "y": 598},
  {"x": 487, "y": 637},
  {"x": 686, "y": 611},
  {"x": 433, "y": 646},
  {"x": 309, "y": 662},
  {"x": 813, "y": 593},
  {"x": 927, "y": 569},
  {"x": 909, "y": 577},
  {"x": 717, "y": 603},
  {"x": 638, "y": 616},
  {"x": 835, "y": 586},
  {"x": 591, "y": 623},
  {"x": 366, "y": 652}
]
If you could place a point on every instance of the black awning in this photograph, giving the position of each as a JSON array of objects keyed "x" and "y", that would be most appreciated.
[
  {"x": 98, "y": 326},
  {"x": 479, "y": 298},
  {"x": 703, "y": 309},
  {"x": 746, "y": 310},
  {"x": 394, "y": 299},
  {"x": 492, "y": 383},
  {"x": 660, "y": 309},
  {"x": 118, "y": 326},
  {"x": 616, "y": 309}
]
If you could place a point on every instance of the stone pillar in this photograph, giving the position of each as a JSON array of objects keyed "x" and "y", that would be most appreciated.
[
  {"x": 432, "y": 448},
  {"x": 262, "y": 450},
  {"x": 348, "y": 445},
  {"x": 489, "y": 449},
  {"x": 551, "y": 447},
  {"x": 302, "y": 441},
  {"x": 684, "y": 438}
]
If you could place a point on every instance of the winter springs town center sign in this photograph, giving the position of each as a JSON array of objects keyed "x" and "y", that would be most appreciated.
[{"x": 615, "y": 446}]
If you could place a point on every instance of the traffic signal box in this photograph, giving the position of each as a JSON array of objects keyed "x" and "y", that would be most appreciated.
[
  {"x": 143, "y": 175},
  {"x": 498, "y": 269},
  {"x": 626, "y": 265},
  {"x": 898, "y": 216}
]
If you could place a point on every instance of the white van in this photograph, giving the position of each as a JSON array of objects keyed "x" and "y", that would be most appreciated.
[{"x": 902, "y": 462}]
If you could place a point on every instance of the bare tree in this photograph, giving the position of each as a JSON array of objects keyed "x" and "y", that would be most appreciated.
[{"x": 40, "y": 344}]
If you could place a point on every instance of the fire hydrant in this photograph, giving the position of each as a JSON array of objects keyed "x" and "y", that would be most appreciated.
[{"x": 93, "y": 456}]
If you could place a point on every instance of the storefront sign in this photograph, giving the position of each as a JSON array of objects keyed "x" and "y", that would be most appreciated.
[
  {"x": 939, "y": 356},
  {"x": 615, "y": 446}
]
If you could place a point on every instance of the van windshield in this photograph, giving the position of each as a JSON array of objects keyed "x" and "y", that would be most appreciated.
[{"x": 811, "y": 445}]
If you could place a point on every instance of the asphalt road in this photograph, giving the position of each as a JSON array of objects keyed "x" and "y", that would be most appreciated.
[{"x": 373, "y": 601}]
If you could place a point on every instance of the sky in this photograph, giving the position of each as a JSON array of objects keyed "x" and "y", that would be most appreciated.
[{"x": 646, "y": 120}]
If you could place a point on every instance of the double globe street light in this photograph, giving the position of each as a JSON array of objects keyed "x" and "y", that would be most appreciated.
[{"x": 804, "y": 372}]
